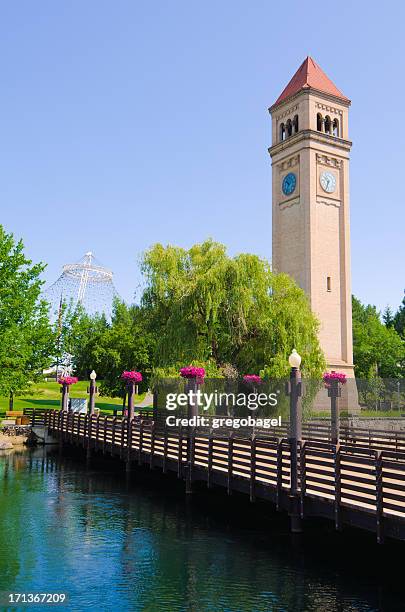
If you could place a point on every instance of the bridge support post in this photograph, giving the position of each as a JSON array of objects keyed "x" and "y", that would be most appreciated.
[
  {"x": 63, "y": 411},
  {"x": 89, "y": 431},
  {"x": 295, "y": 515},
  {"x": 379, "y": 497},
  {"x": 338, "y": 484},
  {"x": 88, "y": 455},
  {"x": 60, "y": 432},
  {"x": 192, "y": 411},
  {"x": 155, "y": 406},
  {"x": 189, "y": 484},
  {"x": 128, "y": 462}
]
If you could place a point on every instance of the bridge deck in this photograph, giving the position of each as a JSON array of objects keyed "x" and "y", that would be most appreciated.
[{"x": 360, "y": 481}]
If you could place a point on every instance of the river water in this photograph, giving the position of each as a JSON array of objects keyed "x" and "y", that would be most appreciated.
[{"x": 139, "y": 545}]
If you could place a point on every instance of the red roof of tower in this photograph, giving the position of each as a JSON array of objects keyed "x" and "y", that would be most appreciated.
[{"x": 310, "y": 76}]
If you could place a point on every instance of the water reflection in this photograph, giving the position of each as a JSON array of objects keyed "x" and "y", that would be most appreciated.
[{"x": 114, "y": 546}]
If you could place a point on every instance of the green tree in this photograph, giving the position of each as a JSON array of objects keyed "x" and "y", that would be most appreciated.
[
  {"x": 388, "y": 317},
  {"x": 26, "y": 337},
  {"x": 372, "y": 392},
  {"x": 108, "y": 347},
  {"x": 376, "y": 348},
  {"x": 126, "y": 345},
  {"x": 82, "y": 336},
  {"x": 203, "y": 305}
]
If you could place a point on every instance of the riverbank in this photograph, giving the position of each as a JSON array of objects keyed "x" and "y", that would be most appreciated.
[{"x": 9, "y": 442}]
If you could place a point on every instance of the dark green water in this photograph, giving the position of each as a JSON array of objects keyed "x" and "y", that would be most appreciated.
[{"x": 114, "y": 545}]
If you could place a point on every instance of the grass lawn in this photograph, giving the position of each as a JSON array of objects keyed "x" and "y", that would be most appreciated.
[
  {"x": 47, "y": 395},
  {"x": 365, "y": 414},
  {"x": 382, "y": 414}
]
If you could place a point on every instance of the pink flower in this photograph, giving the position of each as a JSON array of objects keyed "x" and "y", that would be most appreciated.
[
  {"x": 252, "y": 379},
  {"x": 330, "y": 377},
  {"x": 131, "y": 376},
  {"x": 193, "y": 372},
  {"x": 68, "y": 380}
]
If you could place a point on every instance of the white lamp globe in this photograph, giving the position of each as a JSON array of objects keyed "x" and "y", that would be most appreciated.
[
  {"x": 294, "y": 359},
  {"x": 93, "y": 375}
]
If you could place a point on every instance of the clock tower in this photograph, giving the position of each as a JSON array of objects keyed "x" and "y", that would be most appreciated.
[{"x": 311, "y": 227}]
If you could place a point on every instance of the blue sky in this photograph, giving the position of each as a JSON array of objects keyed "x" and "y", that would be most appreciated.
[{"x": 125, "y": 123}]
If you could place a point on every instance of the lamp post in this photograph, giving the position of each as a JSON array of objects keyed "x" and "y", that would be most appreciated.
[
  {"x": 92, "y": 392},
  {"x": 294, "y": 390}
]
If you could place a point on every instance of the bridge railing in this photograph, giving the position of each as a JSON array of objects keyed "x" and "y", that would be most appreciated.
[
  {"x": 36, "y": 415},
  {"x": 352, "y": 474},
  {"x": 376, "y": 439}
]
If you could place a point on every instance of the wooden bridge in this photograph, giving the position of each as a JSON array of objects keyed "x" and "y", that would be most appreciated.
[{"x": 359, "y": 482}]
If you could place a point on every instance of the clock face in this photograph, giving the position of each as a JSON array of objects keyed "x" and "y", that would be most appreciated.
[
  {"x": 289, "y": 183},
  {"x": 328, "y": 182}
]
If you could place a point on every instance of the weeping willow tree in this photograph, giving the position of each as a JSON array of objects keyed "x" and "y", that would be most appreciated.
[{"x": 206, "y": 306}]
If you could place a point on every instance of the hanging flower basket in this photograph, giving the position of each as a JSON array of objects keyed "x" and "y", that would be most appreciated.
[
  {"x": 252, "y": 379},
  {"x": 68, "y": 380},
  {"x": 131, "y": 376},
  {"x": 330, "y": 377},
  {"x": 193, "y": 373},
  {"x": 332, "y": 381}
]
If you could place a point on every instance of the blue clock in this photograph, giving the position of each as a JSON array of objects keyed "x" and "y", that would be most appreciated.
[{"x": 289, "y": 183}]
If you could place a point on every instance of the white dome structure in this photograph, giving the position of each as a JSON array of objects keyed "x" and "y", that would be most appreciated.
[{"x": 87, "y": 283}]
